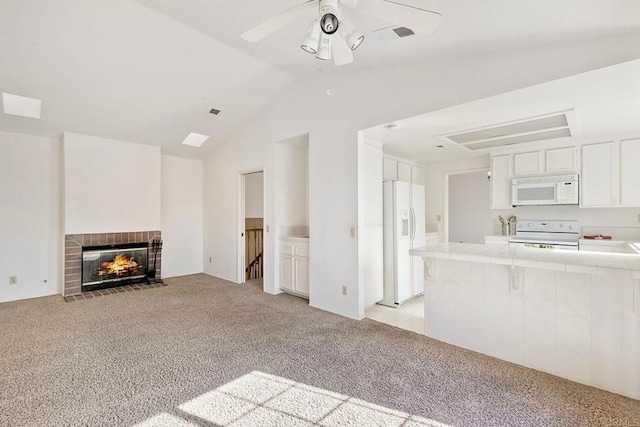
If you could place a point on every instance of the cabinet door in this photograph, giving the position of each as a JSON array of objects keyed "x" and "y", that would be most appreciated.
[
  {"x": 597, "y": 175},
  {"x": 286, "y": 272},
  {"x": 527, "y": 163},
  {"x": 404, "y": 172},
  {"x": 417, "y": 175},
  {"x": 390, "y": 169},
  {"x": 301, "y": 271},
  {"x": 561, "y": 160},
  {"x": 630, "y": 172},
  {"x": 501, "y": 182}
]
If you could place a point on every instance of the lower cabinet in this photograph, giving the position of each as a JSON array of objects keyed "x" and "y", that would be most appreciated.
[{"x": 294, "y": 266}]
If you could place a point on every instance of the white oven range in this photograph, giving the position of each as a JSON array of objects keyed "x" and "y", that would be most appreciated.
[{"x": 546, "y": 234}]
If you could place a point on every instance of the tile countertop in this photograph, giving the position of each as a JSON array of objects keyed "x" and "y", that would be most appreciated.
[
  {"x": 550, "y": 259},
  {"x": 294, "y": 238}
]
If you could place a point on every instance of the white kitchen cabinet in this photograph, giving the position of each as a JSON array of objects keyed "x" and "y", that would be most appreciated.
[
  {"x": 527, "y": 163},
  {"x": 294, "y": 265},
  {"x": 390, "y": 169},
  {"x": 561, "y": 160},
  {"x": 404, "y": 172},
  {"x": 417, "y": 175},
  {"x": 301, "y": 272},
  {"x": 597, "y": 179},
  {"x": 630, "y": 172},
  {"x": 501, "y": 182}
]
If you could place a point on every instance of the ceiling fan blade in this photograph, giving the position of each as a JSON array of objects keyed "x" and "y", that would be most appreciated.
[
  {"x": 419, "y": 20},
  {"x": 281, "y": 20},
  {"x": 342, "y": 54}
]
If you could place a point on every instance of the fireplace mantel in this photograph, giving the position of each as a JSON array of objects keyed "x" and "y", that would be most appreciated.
[{"x": 73, "y": 244}]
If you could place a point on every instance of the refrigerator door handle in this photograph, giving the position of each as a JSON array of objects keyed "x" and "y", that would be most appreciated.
[{"x": 413, "y": 223}]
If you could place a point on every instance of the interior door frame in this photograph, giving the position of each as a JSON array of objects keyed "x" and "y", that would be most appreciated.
[
  {"x": 241, "y": 274},
  {"x": 445, "y": 193}
]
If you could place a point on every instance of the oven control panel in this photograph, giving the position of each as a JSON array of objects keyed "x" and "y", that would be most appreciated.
[{"x": 548, "y": 226}]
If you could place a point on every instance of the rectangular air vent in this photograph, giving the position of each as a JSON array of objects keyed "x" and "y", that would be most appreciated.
[
  {"x": 391, "y": 33},
  {"x": 522, "y": 131}
]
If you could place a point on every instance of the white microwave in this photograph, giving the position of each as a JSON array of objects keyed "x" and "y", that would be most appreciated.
[{"x": 545, "y": 190}]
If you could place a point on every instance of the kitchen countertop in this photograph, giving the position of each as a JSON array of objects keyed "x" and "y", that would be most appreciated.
[
  {"x": 624, "y": 245},
  {"x": 550, "y": 259},
  {"x": 294, "y": 238}
]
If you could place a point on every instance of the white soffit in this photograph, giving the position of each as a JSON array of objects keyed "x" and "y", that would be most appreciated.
[
  {"x": 552, "y": 126},
  {"x": 21, "y": 105},
  {"x": 195, "y": 139}
]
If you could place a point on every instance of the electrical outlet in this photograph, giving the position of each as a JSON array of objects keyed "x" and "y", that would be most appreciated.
[
  {"x": 267, "y": 228},
  {"x": 352, "y": 232},
  {"x": 439, "y": 218},
  {"x": 13, "y": 280},
  {"x": 344, "y": 289}
]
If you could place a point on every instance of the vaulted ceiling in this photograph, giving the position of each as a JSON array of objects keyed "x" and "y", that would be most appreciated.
[{"x": 149, "y": 71}]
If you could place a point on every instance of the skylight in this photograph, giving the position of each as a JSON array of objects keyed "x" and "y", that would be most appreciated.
[
  {"x": 21, "y": 105},
  {"x": 195, "y": 139}
]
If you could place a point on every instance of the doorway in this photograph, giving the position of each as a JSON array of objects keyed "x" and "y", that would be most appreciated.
[
  {"x": 251, "y": 247},
  {"x": 468, "y": 214}
]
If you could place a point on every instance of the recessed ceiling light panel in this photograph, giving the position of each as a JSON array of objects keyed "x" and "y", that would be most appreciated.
[
  {"x": 21, "y": 106},
  {"x": 195, "y": 139}
]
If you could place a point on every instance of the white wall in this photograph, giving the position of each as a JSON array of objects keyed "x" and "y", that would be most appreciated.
[
  {"x": 110, "y": 185},
  {"x": 292, "y": 185},
  {"x": 360, "y": 100},
  {"x": 434, "y": 188},
  {"x": 182, "y": 229},
  {"x": 370, "y": 221},
  {"x": 470, "y": 218},
  {"x": 254, "y": 195},
  {"x": 30, "y": 216}
]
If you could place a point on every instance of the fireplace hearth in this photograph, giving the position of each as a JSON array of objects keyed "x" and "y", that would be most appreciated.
[
  {"x": 114, "y": 265},
  {"x": 121, "y": 274}
]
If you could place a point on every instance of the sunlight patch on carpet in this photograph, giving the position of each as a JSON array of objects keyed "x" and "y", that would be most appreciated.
[{"x": 268, "y": 400}]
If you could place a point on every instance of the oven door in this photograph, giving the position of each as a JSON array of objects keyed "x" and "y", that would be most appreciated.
[
  {"x": 535, "y": 194},
  {"x": 566, "y": 247}
]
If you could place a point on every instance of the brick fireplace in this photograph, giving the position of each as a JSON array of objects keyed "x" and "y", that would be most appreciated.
[{"x": 73, "y": 253}]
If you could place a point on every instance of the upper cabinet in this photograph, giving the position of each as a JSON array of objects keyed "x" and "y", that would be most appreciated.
[
  {"x": 598, "y": 172},
  {"x": 417, "y": 175},
  {"x": 501, "y": 182},
  {"x": 561, "y": 160},
  {"x": 401, "y": 171},
  {"x": 527, "y": 163},
  {"x": 389, "y": 169},
  {"x": 404, "y": 172},
  {"x": 630, "y": 172}
]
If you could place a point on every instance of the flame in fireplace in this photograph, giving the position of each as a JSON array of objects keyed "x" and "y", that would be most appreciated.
[{"x": 121, "y": 265}]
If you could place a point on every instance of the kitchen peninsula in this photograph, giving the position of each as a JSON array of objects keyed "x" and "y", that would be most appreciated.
[{"x": 568, "y": 313}]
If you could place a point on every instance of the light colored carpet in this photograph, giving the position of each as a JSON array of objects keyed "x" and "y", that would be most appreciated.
[{"x": 170, "y": 356}]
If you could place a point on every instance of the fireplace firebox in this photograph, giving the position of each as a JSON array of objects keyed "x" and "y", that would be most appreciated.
[{"x": 114, "y": 265}]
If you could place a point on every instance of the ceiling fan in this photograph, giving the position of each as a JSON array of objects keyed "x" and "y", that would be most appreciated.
[{"x": 332, "y": 36}]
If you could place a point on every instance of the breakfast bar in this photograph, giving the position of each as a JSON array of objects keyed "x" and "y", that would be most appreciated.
[{"x": 572, "y": 314}]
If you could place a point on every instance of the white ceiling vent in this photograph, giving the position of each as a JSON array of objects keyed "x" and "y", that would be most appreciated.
[
  {"x": 391, "y": 33},
  {"x": 529, "y": 130}
]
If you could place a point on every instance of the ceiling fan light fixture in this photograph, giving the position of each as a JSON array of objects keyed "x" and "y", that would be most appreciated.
[
  {"x": 311, "y": 41},
  {"x": 353, "y": 38},
  {"x": 329, "y": 23},
  {"x": 324, "y": 48}
]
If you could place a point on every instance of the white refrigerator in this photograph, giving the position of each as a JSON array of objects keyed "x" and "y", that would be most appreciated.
[{"x": 404, "y": 229}]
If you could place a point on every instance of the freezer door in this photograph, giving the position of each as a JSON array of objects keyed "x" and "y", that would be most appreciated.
[
  {"x": 417, "y": 264},
  {"x": 402, "y": 241}
]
